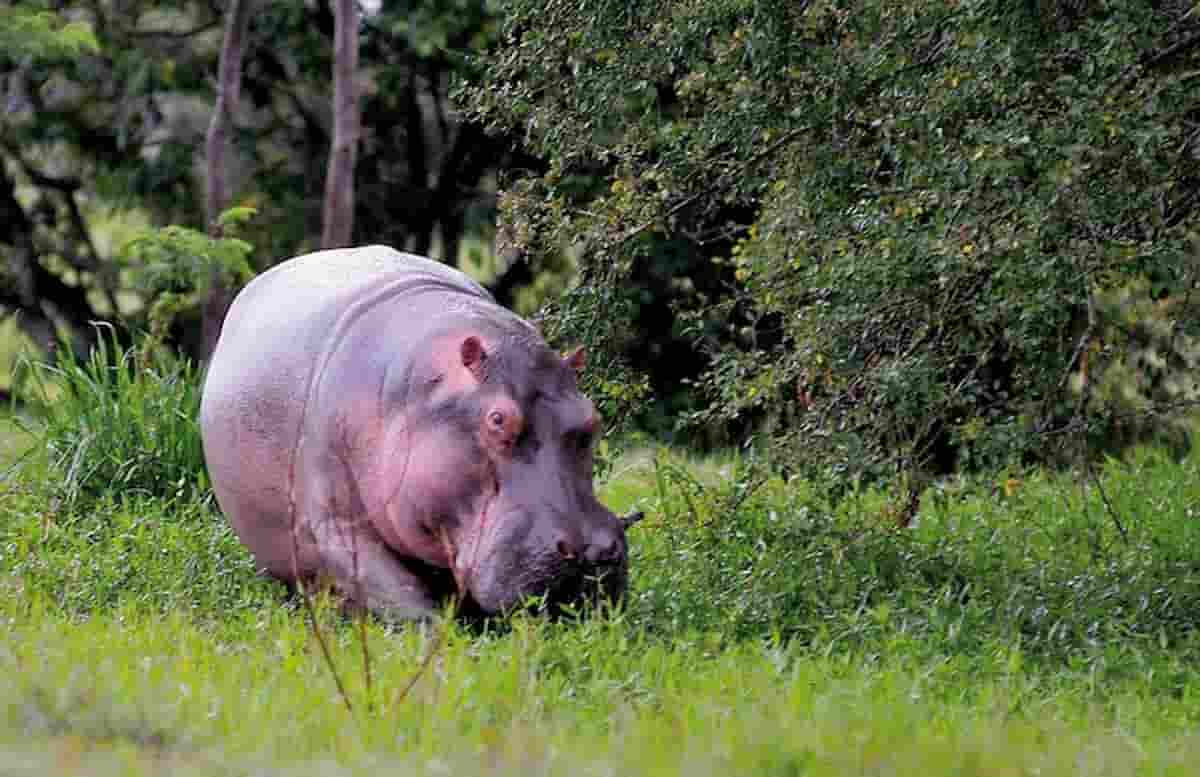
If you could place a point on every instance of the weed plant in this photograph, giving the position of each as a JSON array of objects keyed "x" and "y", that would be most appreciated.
[
  {"x": 122, "y": 423},
  {"x": 1063, "y": 568}
]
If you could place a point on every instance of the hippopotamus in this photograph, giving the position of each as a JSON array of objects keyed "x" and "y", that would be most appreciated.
[{"x": 376, "y": 420}]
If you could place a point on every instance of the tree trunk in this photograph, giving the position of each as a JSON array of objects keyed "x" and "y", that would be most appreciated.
[
  {"x": 338, "y": 218},
  {"x": 216, "y": 195}
]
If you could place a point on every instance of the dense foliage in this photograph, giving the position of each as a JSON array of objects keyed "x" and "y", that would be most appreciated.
[
  {"x": 106, "y": 106},
  {"x": 920, "y": 216}
]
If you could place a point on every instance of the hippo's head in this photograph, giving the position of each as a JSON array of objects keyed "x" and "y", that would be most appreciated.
[{"x": 533, "y": 525}]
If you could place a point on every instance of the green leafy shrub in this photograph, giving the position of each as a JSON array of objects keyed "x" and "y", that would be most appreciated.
[
  {"x": 38, "y": 32},
  {"x": 924, "y": 206},
  {"x": 176, "y": 267}
]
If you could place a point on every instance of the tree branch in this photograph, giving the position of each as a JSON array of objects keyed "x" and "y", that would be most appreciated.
[
  {"x": 418, "y": 163},
  {"x": 1172, "y": 51},
  {"x": 37, "y": 177},
  {"x": 338, "y": 216},
  {"x": 229, "y": 82},
  {"x": 216, "y": 195},
  {"x": 713, "y": 188},
  {"x": 175, "y": 34}
]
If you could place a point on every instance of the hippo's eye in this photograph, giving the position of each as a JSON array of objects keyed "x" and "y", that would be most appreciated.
[{"x": 496, "y": 419}]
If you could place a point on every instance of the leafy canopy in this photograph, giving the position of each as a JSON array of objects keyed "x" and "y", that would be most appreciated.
[{"x": 27, "y": 33}]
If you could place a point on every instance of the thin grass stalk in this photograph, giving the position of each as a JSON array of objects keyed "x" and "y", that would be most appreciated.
[
  {"x": 438, "y": 640},
  {"x": 357, "y": 508},
  {"x": 305, "y": 595}
]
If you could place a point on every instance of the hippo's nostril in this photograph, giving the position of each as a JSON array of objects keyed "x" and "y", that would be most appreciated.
[{"x": 566, "y": 549}]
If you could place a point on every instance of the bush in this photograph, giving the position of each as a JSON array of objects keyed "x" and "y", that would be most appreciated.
[
  {"x": 1139, "y": 373},
  {"x": 924, "y": 206}
]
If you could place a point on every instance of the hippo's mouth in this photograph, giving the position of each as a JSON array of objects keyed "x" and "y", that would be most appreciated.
[
  {"x": 562, "y": 590},
  {"x": 543, "y": 583},
  {"x": 577, "y": 589}
]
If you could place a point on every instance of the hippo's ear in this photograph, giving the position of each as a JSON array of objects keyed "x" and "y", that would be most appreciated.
[
  {"x": 577, "y": 360},
  {"x": 473, "y": 356}
]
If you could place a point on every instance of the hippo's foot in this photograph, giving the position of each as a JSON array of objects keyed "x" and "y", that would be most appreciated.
[
  {"x": 367, "y": 574},
  {"x": 397, "y": 599}
]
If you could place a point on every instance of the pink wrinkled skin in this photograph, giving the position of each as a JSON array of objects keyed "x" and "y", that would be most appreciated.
[{"x": 374, "y": 418}]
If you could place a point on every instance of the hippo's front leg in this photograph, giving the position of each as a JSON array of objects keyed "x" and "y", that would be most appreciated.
[{"x": 367, "y": 573}]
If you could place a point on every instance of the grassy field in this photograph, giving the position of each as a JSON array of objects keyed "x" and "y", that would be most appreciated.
[{"x": 1026, "y": 624}]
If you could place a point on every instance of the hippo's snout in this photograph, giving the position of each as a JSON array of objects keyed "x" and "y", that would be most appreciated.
[
  {"x": 568, "y": 559},
  {"x": 597, "y": 563},
  {"x": 603, "y": 546}
]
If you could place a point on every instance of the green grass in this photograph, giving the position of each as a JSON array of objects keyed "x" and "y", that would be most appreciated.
[
  {"x": 167, "y": 692},
  {"x": 1014, "y": 629},
  {"x": 14, "y": 441},
  {"x": 123, "y": 423},
  {"x": 11, "y": 346}
]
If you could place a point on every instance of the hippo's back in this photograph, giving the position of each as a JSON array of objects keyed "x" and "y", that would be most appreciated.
[{"x": 260, "y": 374}]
